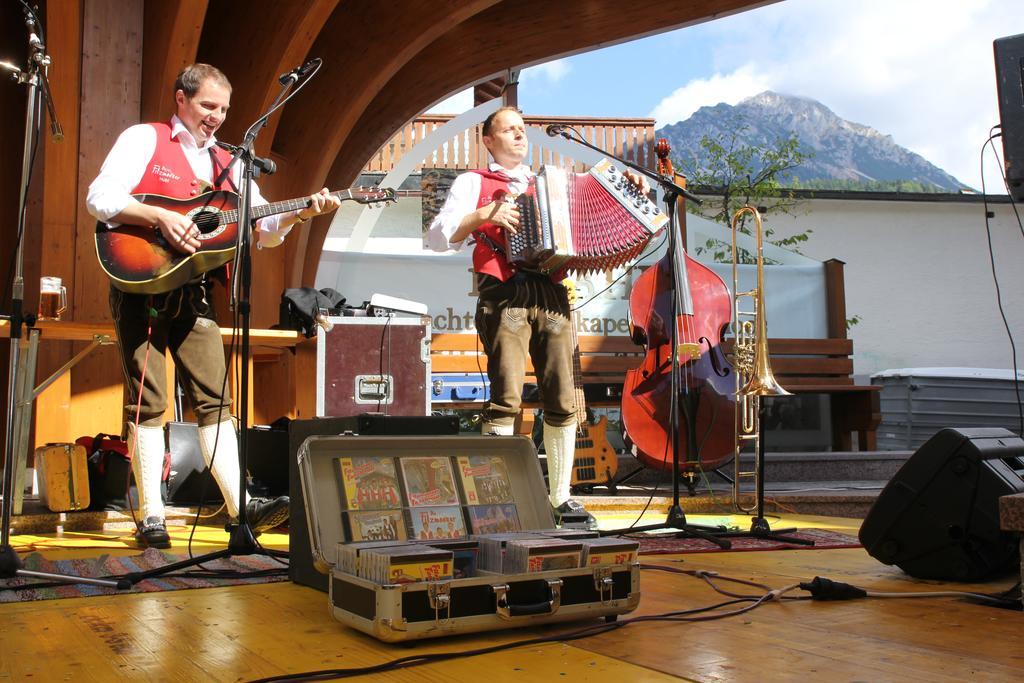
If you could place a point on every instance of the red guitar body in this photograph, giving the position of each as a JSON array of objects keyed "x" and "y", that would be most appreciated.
[{"x": 138, "y": 259}]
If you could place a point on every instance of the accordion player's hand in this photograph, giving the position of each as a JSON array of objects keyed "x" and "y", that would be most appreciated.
[
  {"x": 504, "y": 214},
  {"x": 638, "y": 180}
]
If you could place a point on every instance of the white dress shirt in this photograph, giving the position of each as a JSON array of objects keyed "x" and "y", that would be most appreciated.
[
  {"x": 122, "y": 170},
  {"x": 463, "y": 197}
]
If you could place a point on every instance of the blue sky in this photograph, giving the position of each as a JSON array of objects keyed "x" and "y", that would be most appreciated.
[{"x": 921, "y": 71}]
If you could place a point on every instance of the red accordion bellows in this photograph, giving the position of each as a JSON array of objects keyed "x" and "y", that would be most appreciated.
[{"x": 583, "y": 222}]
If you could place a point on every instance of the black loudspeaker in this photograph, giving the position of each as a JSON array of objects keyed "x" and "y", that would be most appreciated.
[
  {"x": 190, "y": 479},
  {"x": 301, "y": 567},
  {"x": 1009, "y": 53},
  {"x": 267, "y": 465},
  {"x": 267, "y": 461},
  {"x": 938, "y": 518}
]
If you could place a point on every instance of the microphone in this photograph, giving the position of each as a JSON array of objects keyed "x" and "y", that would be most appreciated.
[
  {"x": 300, "y": 71},
  {"x": 556, "y": 129},
  {"x": 266, "y": 165}
]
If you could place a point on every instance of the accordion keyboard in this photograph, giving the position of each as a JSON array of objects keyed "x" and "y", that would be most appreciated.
[{"x": 583, "y": 223}]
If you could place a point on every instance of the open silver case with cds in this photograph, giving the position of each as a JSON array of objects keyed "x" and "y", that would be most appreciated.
[{"x": 338, "y": 476}]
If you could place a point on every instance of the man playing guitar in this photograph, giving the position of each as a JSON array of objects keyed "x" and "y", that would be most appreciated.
[{"x": 179, "y": 159}]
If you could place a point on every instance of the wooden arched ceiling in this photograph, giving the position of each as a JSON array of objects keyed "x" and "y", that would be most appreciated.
[
  {"x": 383, "y": 64},
  {"x": 276, "y": 37},
  {"x": 506, "y": 34},
  {"x": 171, "y": 31}
]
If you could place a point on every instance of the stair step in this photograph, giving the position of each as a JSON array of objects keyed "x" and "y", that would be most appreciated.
[{"x": 790, "y": 467}]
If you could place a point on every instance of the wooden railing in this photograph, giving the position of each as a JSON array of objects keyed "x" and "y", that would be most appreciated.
[{"x": 631, "y": 139}]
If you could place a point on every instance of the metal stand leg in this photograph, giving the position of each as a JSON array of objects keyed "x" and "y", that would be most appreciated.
[
  {"x": 23, "y": 415},
  {"x": 22, "y": 367},
  {"x": 759, "y": 527}
]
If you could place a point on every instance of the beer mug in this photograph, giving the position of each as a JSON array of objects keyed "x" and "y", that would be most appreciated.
[{"x": 53, "y": 298}]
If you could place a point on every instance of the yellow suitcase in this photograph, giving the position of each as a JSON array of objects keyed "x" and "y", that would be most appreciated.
[{"x": 63, "y": 473}]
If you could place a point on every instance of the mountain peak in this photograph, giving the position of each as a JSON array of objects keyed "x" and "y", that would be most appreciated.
[{"x": 842, "y": 150}]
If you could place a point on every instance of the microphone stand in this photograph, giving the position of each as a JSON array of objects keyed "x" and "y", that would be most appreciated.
[
  {"x": 242, "y": 539},
  {"x": 676, "y": 518},
  {"x": 34, "y": 75}
]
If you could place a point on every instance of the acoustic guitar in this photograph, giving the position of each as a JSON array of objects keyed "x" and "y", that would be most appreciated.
[
  {"x": 595, "y": 461},
  {"x": 139, "y": 260}
]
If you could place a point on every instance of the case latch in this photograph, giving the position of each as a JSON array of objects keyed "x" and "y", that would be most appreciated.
[
  {"x": 603, "y": 583},
  {"x": 440, "y": 596}
]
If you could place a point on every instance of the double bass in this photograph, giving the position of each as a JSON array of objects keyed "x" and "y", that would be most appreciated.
[{"x": 704, "y": 384}]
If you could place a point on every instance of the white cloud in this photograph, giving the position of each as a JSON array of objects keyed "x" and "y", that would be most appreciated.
[
  {"x": 730, "y": 89},
  {"x": 454, "y": 104},
  {"x": 552, "y": 71},
  {"x": 919, "y": 70},
  {"x": 549, "y": 73}
]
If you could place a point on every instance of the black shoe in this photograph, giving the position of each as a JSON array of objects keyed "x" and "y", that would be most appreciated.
[
  {"x": 266, "y": 513},
  {"x": 572, "y": 515},
  {"x": 152, "y": 533}
]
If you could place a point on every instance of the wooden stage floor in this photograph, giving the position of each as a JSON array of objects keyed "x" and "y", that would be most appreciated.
[{"x": 250, "y": 632}]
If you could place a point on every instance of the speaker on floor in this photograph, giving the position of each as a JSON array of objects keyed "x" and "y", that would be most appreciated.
[
  {"x": 1009, "y": 54},
  {"x": 938, "y": 518},
  {"x": 190, "y": 479},
  {"x": 267, "y": 461}
]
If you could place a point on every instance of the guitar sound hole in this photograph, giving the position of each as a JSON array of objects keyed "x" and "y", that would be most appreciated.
[{"x": 206, "y": 221}]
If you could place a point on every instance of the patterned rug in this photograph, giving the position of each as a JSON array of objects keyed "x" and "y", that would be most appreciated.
[
  {"x": 238, "y": 570},
  {"x": 663, "y": 544}
]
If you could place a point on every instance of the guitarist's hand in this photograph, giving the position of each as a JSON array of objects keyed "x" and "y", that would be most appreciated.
[
  {"x": 320, "y": 203},
  {"x": 179, "y": 231}
]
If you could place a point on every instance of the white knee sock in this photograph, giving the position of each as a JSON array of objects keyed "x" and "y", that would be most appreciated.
[
  {"x": 148, "y": 466},
  {"x": 225, "y": 465},
  {"x": 560, "y": 446},
  {"x": 495, "y": 428}
]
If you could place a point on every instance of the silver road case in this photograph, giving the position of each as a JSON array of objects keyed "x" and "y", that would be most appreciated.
[{"x": 486, "y": 601}]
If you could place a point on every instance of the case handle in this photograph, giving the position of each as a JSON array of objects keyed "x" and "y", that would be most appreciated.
[{"x": 510, "y": 612}]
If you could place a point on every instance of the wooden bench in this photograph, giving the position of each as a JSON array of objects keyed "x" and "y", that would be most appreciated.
[
  {"x": 802, "y": 366},
  {"x": 825, "y": 366}
]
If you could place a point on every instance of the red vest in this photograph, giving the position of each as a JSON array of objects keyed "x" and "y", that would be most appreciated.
[
  {"x": 168, "y": 172},
  {"x": 485, "y": 259}
]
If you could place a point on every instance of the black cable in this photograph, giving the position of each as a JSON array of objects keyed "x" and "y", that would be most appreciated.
[
  {"x": 628, "y": 270},
  {"x": 23, "y": 219},
  {"x": 995, "y": 277},
  {"x": 380, "y": 357},
  {"x": 691, "y": 615},
  {"x": 820, "y": 588}
]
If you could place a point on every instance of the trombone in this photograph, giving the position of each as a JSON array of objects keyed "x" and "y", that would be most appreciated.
[{"x": 754, "y": 377}]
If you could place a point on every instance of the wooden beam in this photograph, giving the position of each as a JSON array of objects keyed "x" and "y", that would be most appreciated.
[
  {"x": 171, "y": 29},
  {"x": 278, "y": 37},
  {"x": 55, "y": 236},
  {"x": 835, "y": 298},
  {"x": 111, "y": 99},
  {"x": 312, "y": 131}
]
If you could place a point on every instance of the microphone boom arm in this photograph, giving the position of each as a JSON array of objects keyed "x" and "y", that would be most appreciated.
[{"x": 667, "y": 184}]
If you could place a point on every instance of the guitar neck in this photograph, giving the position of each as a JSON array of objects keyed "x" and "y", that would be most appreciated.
[
  {"x": 274, "y": 208},
  {"x": 577, "y": 375}
]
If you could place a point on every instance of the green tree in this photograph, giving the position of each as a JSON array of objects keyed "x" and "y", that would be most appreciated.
[{"x": 737, "y": 174}]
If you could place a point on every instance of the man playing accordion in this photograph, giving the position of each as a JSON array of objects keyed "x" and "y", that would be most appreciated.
[{"x": 518, "y": 311}]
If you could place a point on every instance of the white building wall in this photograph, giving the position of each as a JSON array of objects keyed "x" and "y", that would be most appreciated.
[{"x": 919, "y": 277}]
